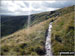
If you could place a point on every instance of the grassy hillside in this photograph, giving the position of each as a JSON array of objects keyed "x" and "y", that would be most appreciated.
[
  {"x": 31, "y": 41},
  {"x": 63, "y": 34},
  {"x": 26, "y": 41}
]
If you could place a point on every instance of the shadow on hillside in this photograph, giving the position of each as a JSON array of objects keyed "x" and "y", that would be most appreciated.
[{"x": 11, "y": 24}]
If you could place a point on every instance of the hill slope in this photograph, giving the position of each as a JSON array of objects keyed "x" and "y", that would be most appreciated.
[{"x": 31, "y": 41}]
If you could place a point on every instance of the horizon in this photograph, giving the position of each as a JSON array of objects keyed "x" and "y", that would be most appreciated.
[{"x": 29, "y": 14}]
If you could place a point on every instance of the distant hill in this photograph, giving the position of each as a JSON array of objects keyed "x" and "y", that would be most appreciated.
[
  {"x": 31, "y": 41},
  {"x": 10, "y": 24}
]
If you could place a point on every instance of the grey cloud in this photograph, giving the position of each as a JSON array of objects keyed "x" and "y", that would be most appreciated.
[
  {"x": 36, "y": 5},
  {"x": 59, "y": 4},
  {"x": 27, "y": 4},
  {"x": 4, "y": 10},
  {"x": 16, "y": 13},
  {"x": 33, "y": 12}
]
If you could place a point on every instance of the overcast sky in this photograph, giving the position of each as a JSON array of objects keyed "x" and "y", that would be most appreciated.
[{"x": 29, "y": 7}]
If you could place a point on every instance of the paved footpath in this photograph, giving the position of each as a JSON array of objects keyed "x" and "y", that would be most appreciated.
[{"x": 48, "y": 42}]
